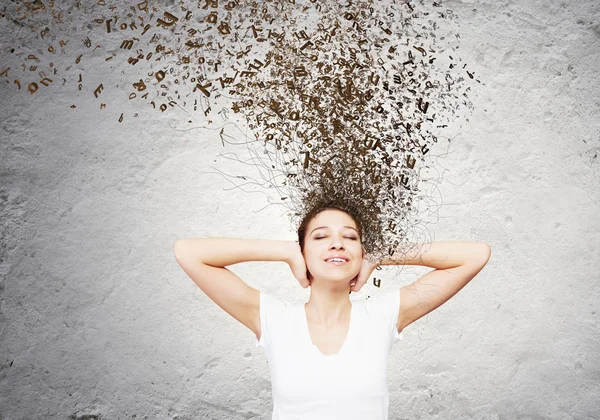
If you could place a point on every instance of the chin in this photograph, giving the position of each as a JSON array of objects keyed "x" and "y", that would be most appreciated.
[
  {"x": 338, "y": 278},
  {"x": 335, "y": 275}
]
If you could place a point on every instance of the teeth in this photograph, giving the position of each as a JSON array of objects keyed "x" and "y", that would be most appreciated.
[{"x": 336, "y": 260}]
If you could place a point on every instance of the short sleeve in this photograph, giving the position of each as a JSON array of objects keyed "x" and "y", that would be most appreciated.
[
  {"x": 271, "y": 310},
  {"x": 390, "y": 307},
  {"x": 384, "y": 310}
]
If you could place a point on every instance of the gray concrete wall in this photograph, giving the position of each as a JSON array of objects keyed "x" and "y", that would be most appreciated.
[{"x": 97, "y": 319}]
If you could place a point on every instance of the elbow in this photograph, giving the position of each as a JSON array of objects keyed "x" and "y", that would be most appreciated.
[
  {"x": 486, "y": 251},
  {"x": 178, "y": 248}
]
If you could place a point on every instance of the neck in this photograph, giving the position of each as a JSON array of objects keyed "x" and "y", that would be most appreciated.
[{"x": 326, "y": 305}]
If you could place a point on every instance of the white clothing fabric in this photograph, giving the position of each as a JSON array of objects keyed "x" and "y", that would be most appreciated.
[{"x": 351, "y": 384}]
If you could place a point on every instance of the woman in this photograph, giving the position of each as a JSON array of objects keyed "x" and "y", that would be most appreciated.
[{"x": 328, "y": 357}]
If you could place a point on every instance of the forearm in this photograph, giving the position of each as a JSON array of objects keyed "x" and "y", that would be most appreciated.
[
  {"x": 221, "y": 252},
  {"x": 439, "y": 254}
]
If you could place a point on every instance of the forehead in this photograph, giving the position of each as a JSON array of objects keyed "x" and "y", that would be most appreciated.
[{"x": 333, "y": 218}]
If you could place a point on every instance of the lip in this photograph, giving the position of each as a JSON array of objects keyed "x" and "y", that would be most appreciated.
[
  {"x": 337, "y": 263},
  {"x": 336, "y": 256}
]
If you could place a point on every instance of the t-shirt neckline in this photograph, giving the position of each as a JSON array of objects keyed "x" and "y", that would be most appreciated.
[{"x": 309, "y": 339}]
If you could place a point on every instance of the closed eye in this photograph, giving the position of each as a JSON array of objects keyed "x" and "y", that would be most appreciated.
[{"x": 349, "y": 237}]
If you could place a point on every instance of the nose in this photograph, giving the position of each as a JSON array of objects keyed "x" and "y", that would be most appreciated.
[{"x": 336, "y": 243}]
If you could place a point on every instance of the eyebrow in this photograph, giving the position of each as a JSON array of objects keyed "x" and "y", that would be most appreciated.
[{"x": 321, "y": 227}]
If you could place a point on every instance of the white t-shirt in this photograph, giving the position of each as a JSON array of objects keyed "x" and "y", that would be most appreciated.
[{"x": 349, "y": 385}]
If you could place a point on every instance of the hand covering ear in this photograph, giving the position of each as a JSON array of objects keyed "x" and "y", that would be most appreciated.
[{"x": 363, "y": 275}]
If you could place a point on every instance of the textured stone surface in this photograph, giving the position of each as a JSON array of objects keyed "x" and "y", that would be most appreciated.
[{"x": 97, "y": 320}]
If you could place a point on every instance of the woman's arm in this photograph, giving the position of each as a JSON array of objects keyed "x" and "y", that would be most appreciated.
[
  {"x": 439, "y": 255},
  {"x": 455, "y": 264},
  {"x": 204, "y": 261},
  {"x": 221, "y": 252}
]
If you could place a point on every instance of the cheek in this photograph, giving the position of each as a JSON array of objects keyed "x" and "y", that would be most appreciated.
[{"x": 310, "y": 258}]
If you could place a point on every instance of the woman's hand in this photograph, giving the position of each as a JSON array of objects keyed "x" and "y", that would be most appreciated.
[
  {"x": 363, "y": 275},
  {"x": 298, "y": 265}
]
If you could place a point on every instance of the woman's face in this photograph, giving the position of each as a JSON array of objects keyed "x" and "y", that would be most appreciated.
[{"x": 330, "y": 233}]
